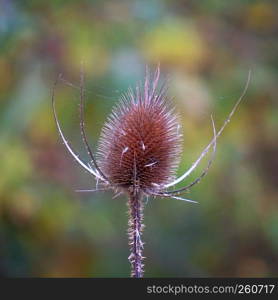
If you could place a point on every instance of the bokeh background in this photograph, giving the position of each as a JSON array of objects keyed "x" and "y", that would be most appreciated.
[{"x": 205, "y": 49}]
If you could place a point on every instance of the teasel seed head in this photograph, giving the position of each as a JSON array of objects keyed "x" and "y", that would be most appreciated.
[
  {"x": 140, "y": 143},
  {"x": 138, "y": 153}
]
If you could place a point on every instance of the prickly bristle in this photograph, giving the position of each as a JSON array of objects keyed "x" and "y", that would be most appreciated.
[{"x": 140, "y": 143}]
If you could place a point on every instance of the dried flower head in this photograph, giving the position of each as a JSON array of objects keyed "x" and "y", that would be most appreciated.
[
  {"x": 139, "y": 151},
  {"x": 140, "y": 144}
]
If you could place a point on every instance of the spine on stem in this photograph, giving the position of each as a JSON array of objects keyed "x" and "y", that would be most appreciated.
[{"x": 135, "y": 228}]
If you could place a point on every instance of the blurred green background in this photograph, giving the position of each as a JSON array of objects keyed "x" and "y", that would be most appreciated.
[{"x": 205, "y": 49}]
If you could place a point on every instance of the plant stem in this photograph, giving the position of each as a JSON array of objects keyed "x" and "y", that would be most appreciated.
[{"x": 135, "y": 228}]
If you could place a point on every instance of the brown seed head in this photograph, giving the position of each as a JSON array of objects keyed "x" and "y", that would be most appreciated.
[{"x": 140, "y": 144}]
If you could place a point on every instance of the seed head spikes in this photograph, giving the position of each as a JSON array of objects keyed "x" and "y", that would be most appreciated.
[{"x": 139, "y": 151}]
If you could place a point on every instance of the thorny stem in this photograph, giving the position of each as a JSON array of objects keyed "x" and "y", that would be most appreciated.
[{"x": 135, "y": 228}]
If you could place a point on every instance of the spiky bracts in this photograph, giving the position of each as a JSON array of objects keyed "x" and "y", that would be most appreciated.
[{"x": 138, "y": 153}]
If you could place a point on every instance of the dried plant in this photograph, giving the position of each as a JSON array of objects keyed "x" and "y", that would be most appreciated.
[{"x": 138, "y": 153}]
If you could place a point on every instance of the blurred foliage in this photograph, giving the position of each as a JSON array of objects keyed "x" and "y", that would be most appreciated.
[{"x": 206, "y": 49}]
